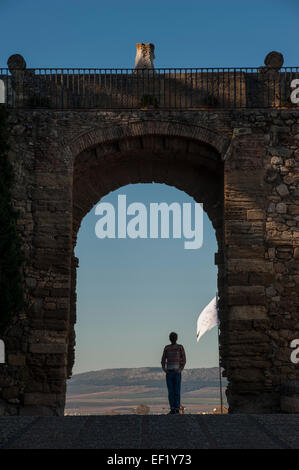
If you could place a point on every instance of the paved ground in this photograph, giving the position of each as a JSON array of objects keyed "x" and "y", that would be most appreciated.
[{"x": 151, "y": 432}]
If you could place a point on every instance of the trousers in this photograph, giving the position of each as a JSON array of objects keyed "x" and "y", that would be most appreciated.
[{"x": 173, "y": 381}]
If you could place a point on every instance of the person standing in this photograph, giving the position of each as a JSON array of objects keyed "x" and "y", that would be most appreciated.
[{"x": 173, "y": 362}]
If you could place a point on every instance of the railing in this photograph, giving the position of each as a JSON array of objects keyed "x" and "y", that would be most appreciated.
[{"x": 167, "y": 88}]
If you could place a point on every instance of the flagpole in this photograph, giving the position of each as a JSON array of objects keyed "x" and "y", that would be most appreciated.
[{"x": 220, "y": 379}]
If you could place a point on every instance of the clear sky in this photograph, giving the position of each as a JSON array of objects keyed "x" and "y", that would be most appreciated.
[
  {"x": 131, "y": 293},
  {"x": 197, "y": 33}
]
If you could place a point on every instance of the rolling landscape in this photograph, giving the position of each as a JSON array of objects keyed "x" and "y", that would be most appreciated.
[{"x": 140, "y": 390}]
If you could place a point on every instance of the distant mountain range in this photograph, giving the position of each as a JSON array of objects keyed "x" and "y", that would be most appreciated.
[{"x": 149, "y": 377}]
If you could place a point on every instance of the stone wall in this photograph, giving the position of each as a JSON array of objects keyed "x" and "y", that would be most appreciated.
[{"x": 242, "y": 164}]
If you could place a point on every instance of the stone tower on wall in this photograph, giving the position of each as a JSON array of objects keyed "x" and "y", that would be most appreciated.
[{"x": 144, "y": 55}]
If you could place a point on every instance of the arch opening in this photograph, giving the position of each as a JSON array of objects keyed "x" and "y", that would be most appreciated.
[
  {"x": 190, "y": 165},
  {"x": 130, "y": 294}
]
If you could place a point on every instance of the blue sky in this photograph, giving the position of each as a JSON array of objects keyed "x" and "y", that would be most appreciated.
[
  {"x": 132, "y": 293},
  {"x": 94, "y": 33}
]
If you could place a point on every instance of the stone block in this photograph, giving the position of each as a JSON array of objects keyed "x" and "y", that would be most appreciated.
[
  {"x": 246, "y": 290},
  {"x": 246, "y": 251},
  {"x": 57, "y": 360},
  {"x": 255, "y": 214},
  {"x": 30, "y": 282},
  {"x": 249, "y": 375},
  {"x": 48, "y": 348},
  {"x": 281, "y": 208},
  {"x": 36, "y": 398},
  {"x": 57, "y": 372},
  {"x": 58, "y": 314},
  {"x": 262, "y": 279},
  {"x": 250, "y": 265},
  {"x": 282, "y": 190},
  {"x": 55, "y": 324},
  {"x": 247, "y": 312},
  {"x": 293, "y": 209},
  {"x": 289, "y": 404},
  {"x": 31, "y": 410},
  {"x": 237, "y": 279},
  {"x": 240, "y": 295},
  {"x": 16, "y": 359},
  {"x": 10, "y": 392},
  {"x": 49, "y": 306},
  {"x": 240, "y": 131}
]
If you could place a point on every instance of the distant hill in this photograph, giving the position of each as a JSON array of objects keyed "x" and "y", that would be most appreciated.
[{"x": 149, "y": 377}]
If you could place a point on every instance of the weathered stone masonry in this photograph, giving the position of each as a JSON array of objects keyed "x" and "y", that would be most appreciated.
[{"x": 242, "y": 164}]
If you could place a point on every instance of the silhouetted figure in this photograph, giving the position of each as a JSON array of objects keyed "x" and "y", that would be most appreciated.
[{"x": 173, "y": 362}]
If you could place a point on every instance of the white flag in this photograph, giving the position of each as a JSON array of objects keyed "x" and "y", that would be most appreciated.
[{"x": 207, "y": 319}]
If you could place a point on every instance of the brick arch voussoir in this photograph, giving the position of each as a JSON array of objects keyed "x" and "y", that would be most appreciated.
[{"x": 113, "y": 132}]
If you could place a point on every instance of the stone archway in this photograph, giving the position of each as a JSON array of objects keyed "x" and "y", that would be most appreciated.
[
  {"x": 188, "y": 164},
  {"x": 173, "y": 153},
  {"x": 65, "y": 161}
]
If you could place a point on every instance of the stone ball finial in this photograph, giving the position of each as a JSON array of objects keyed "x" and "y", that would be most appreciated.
[
  {"x": 274, "y": 60},
  {"x": 144, "y": 55},
  {"x": 16, "y": 61}
]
